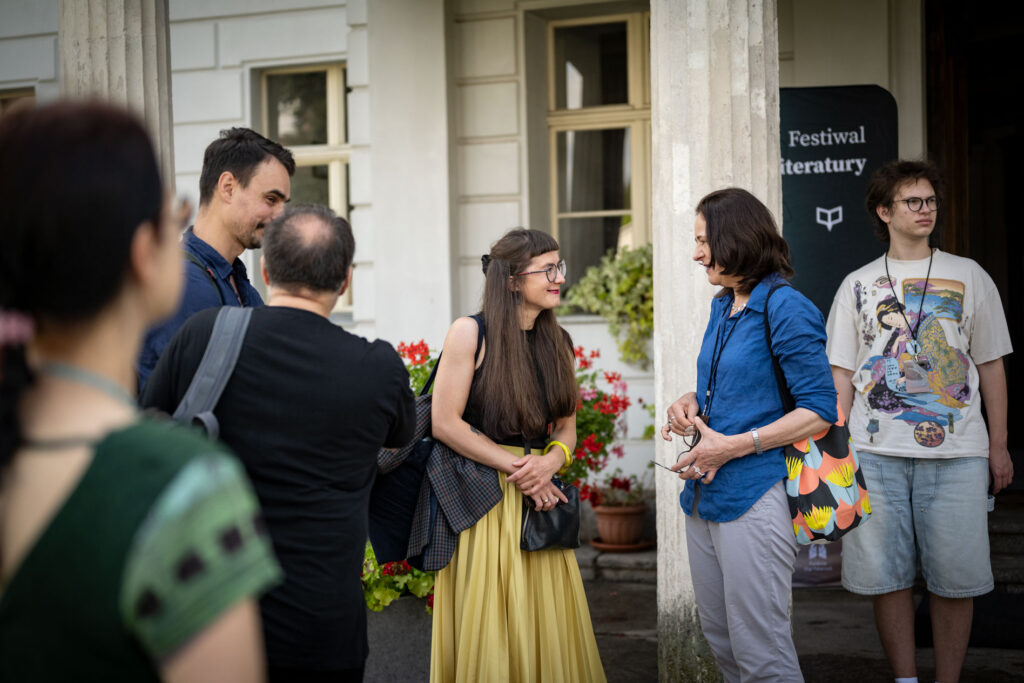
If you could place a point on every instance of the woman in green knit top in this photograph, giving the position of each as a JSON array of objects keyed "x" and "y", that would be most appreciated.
[{"x": 130, "y": 549}]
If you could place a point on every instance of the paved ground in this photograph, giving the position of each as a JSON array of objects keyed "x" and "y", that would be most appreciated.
[
  {"x": 625, "y": 617},
  {"x": 826, "y": 621}
]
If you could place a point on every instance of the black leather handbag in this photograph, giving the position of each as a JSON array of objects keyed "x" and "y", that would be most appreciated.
[{"x": 555, "y": 528}]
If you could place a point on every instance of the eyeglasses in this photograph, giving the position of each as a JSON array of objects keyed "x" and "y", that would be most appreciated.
[
  {"x": 691, "y": 443},
  {"x": 915, "y": 203},
  {"x": 550, "y": 271}
]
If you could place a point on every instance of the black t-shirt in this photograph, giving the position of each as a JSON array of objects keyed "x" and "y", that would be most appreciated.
[{"x": 306, "y": 411}]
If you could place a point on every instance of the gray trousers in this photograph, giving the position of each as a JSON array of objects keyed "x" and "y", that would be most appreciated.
[{"x": 742, "y": 577}]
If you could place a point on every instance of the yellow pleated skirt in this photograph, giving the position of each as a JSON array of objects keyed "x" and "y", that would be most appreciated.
[{"x": 505, "y": 614}]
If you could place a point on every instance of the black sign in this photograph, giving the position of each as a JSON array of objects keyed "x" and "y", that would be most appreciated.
[{"x": 833, "y": 139}]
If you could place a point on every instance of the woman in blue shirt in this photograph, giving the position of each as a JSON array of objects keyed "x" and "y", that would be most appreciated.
[{"x": 739, "y": 533}]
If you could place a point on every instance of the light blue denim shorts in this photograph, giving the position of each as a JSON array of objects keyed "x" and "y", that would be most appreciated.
[{"x": 922, "y": 510}]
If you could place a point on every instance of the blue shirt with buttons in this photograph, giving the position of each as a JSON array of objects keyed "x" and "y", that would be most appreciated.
[
  {"x": 200, "y": 293},
  {"x": 744, "y": 392}
]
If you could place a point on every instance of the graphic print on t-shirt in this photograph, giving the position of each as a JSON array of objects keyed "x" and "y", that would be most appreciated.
[{"x": 923, "y": 383}]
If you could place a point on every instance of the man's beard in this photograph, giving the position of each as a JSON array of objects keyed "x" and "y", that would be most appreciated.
[{"x": 254, "y": 240}]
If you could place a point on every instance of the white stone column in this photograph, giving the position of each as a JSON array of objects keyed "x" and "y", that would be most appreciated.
[
  {"x": 715, "y": 123},
  {"x": 118, "y": 51},
  {"x": 410, "y": 169}
]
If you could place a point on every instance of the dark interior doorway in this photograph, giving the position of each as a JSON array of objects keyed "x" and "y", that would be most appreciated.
[{"x": 976, "y": 133}]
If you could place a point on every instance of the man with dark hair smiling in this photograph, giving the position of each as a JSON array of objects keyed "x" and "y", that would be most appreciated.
[
  {"x": 306, "y": 410},
  {"x": 245, "y": 183},
  {"x": 916, "y": 340}
]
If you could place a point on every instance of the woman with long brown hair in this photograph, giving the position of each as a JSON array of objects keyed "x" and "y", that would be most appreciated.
[{"x": 501, "y": 613}]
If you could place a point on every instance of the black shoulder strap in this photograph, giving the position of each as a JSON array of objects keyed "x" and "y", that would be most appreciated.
[
  {"x": 780, "y": 378},
  {"x": 189, "y": 256},
  {"x": 215, "y": 369},
  {"x": 479, "y": 318},
  {"x": 480, "y": 330}
]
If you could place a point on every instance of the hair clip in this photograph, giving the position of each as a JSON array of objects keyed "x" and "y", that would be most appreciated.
[
  {"x": 485, "y": 261},
  {"x": 16, "y": 328}
]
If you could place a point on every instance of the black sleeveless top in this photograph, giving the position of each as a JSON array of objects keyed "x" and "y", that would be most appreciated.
[{"x": 473, "y": 413}]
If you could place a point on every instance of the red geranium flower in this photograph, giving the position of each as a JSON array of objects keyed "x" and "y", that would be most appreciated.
[{"x": 416, "y": 354}]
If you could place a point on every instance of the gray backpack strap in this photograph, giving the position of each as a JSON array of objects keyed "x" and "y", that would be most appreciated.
[{"x": 215, "y": 369}]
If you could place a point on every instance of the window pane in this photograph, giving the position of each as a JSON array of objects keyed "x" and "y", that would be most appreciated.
[
  {"x": 309, "y": 185},
  {"x": 583, "y": 241},
  {"x": 590, "y": 66},
  {"x": 8, "y": 100},
  {"x": 593, "y": 170},
  {"x": 297, "y": 108}
]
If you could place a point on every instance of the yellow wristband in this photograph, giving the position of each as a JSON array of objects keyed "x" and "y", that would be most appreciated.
[{"x": 565, "y": 450}]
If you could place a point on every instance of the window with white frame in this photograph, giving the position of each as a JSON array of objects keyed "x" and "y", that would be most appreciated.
[
  {"x": 599, "y": 127},
  {"x": 304, "y": 110}
]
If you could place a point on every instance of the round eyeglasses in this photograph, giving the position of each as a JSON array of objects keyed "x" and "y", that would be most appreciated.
[
  {"x": 915, "y": 203},
  {"x": 551, "y": 271}
]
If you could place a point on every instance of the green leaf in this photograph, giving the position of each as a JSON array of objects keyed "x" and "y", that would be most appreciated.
[{"x": 621, "y": 289}]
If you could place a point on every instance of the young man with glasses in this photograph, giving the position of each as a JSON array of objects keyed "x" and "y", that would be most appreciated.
[{"x": 916, "y": 340}]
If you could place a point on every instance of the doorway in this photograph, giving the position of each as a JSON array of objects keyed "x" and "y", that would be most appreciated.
[{"x": 977, "y": 138}]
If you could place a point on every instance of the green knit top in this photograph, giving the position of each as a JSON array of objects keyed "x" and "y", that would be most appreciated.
[{"x": 160, "y": 536}]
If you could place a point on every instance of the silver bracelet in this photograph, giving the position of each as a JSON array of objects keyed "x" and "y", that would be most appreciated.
[{"x": 757, "y": 442}]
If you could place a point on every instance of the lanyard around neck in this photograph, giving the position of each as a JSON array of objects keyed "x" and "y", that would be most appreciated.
[
  {"x": 924, "y": 293},
  {"x": 101, "y": 383},
  {"x": 716, "y": 358}
]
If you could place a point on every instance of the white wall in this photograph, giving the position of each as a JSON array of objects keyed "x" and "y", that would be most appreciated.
[
  {"x": 409, "y": 186},
  {"x": 217, "y": 49},
  {"x": 489, "y": 157},
  {"x": 867, "y": 42},
  {"x": 28, "y": 46}
]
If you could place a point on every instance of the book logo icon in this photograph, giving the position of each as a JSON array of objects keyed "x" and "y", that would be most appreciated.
[{"x": 830, "y": 217}]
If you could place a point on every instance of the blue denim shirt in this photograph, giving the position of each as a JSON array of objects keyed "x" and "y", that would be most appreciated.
[
  {"x": 199, "y": 294},
  {"x": 746, "y": 395}
]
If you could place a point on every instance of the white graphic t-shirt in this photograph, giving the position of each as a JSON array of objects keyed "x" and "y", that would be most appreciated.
[{"x": 914, "y": 370}]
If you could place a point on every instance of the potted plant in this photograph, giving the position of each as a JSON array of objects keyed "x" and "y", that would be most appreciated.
[
  {"x": 621, "y": 511},
  {"x": 621, "y": 290},
  {"x": 400, "y": 635},
  {"x": 600, "y": 408},
  {"x": 599, "y": 422},
  {"x": 382, "y": 584}
]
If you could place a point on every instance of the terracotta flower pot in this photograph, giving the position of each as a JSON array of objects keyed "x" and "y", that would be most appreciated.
[{"x": 620, "y": 524}]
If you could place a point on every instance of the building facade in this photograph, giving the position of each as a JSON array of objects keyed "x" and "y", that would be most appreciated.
[{"x": 436, "y": 125}]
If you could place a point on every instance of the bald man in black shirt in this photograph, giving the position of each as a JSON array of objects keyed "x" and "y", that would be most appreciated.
[{"x": 306, "y": 410}]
